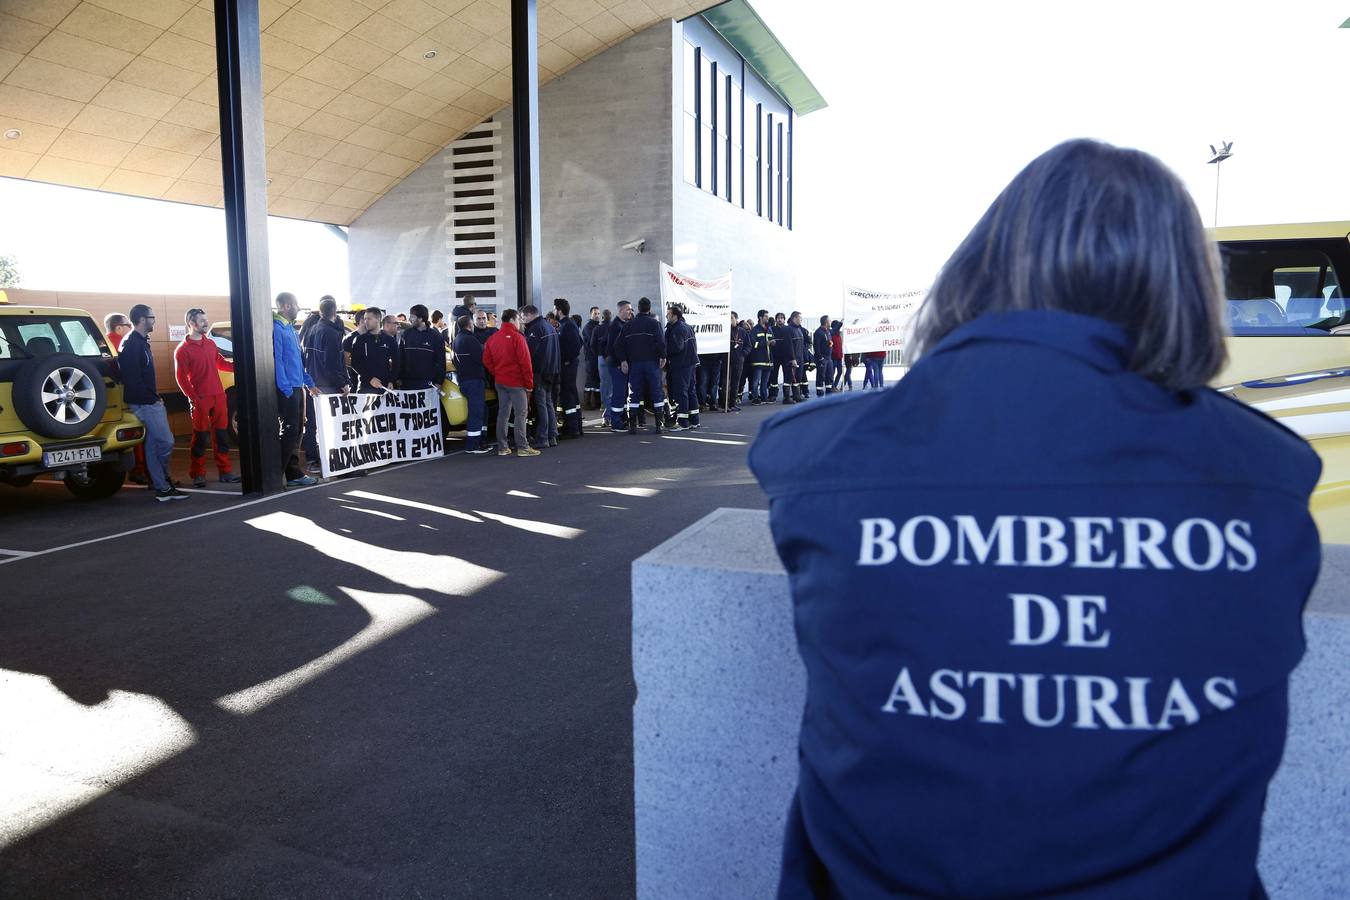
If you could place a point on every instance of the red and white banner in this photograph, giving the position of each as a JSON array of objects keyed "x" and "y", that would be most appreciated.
[
  {"x": 707, "y": 307},
  {"x": 876, "y": 320}
]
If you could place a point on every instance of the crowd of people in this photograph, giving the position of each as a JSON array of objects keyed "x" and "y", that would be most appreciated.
[{"x": 539, "y": 370}]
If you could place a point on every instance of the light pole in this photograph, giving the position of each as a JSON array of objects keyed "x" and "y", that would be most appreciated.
[{"x": 1216, "y": 158}]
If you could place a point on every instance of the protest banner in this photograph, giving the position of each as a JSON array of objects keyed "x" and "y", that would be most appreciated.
[
  {"x": 363, "y": 431},
  {"x": 876, "y": 320},
  {"x": 707, "y": 307}
]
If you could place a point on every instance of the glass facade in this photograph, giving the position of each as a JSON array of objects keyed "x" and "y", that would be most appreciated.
[{"x": 737, "y": 141}]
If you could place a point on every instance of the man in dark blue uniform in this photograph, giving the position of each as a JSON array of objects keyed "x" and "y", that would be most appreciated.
[
  {"x": 591, "y": 398},
  {"x": 738, "y": 353},
  {"x": 599, "y": 344},
  {"x": 785, "y": 357},
  {"x": 322, "y": 353},
  {"x": 821, "y": 349},
  {"x": 422, "y": 354},
  {"x": 470, "y": 376},
  {"x": 801, "y": 348},
  {"x": 682, "y": 350},
  {"x": 371, "y": 356},
  {"x": 542, "y": 340},
  {"x": 760, "y": 359},
  {"x": 618, "y": 374},
  {"x": 569, "y": 346},
  {"x": 642, "y": 356}
]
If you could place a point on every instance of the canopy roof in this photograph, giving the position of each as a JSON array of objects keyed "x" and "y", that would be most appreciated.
[
  {"x": 742, "y": 28},
  {"x": 120, "y": 95}
]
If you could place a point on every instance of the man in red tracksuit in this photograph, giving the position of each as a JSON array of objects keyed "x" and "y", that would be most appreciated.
[{"x": 196, "y": 366}]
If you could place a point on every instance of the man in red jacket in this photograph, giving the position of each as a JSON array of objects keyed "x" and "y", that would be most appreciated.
[
  {"x": 507, "y": 358},
  {"x": 196, "y": 366}
]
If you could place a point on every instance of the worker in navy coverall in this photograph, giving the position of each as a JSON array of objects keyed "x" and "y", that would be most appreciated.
[
  {"x": 642, "y": 356},
  {"x": 569, "y": 345},
  {"x": 682, "y": 350},
  {"x": 618, "y": 374},
  {"x": 760, "y": 358},
  {"x": 1049, "y": 589}
]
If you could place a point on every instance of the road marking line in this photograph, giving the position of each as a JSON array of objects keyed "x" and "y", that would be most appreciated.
[
  {"x": 214, "y": 512},
  {"x": 678, "y": 437},
  {"x": 375, "y": 512},
  {"x": 17, "y": 552},
  {"x": 625, "y": 491}
]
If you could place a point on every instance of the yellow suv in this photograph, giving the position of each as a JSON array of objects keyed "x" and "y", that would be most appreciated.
[
  {"x": 1289, "y": 355},
  {"x": 61, "y": 409}
]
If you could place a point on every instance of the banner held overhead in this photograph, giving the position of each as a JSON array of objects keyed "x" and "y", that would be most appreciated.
[
  {"x": 877, "y": 320},
  {"x": 707, "y": 307}
]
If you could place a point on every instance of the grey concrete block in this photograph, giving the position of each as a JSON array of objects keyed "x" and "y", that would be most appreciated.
[
  {"x": 1305, "y": 835},
  {"x": 720, "y": 695}
]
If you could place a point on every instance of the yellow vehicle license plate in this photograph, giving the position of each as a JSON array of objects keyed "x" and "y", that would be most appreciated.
[{"x": 70, "y": 455}]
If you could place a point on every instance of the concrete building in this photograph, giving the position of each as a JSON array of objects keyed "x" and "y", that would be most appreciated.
[{"x": 674, "y": 145}]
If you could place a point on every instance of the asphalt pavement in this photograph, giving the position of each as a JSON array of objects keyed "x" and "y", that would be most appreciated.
[{"x": 412, "y": 684}]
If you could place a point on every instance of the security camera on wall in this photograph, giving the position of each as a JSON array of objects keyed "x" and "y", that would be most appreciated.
[{"x": 639, "y": 245}]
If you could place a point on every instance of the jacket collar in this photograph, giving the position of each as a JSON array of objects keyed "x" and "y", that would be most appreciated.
[{"x": 1099, "y": 343}]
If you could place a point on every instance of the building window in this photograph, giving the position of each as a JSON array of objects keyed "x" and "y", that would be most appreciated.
[
  {"x": 706, "y": 146},
  {"x": 715, "y": 115},
  {"x": 738, "y": 145},
  {"x": 690, "y": 113},
  {"x": 792, "y": 124},
  {"x": 768, "y": 167},
  {"x": 779, "y": 192},
  {"x": 759, "y": 159},
  {"x": 727, "y": 142}
]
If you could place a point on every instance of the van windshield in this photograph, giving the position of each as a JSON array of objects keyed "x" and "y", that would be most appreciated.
[{"x": 1284, "y": 288}]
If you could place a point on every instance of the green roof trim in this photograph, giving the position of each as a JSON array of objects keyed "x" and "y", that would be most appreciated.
[{"x": 742, "y": 28}]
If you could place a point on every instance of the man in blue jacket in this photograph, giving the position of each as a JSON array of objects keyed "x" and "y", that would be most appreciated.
[
  {"x": 682, "y": 350},
  {"x": 371, "y": 356},
  {"x": 785, "y": 357},
  {"x": 591, "y": 398},
  {"x": 642, "y": 356},
  {"x": 546, "y": 359},
  {"x": 760, "y": 357},
  {"x": 822, "y": 349},
  {"x": 293, "y": 382},
  {"x": 136, "y": 365},
  {"x": 569, "y": 346},
  {"x": 618, "y": 374},
  {"x": 471, "y": 378},
  {"x": 321, "y": 348},
  {"x": 421, "y": 353}
]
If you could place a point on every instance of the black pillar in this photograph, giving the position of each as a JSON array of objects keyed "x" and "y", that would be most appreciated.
[
  {"x": 239, "y": 72},
  {"x": 525, "y": 129}
]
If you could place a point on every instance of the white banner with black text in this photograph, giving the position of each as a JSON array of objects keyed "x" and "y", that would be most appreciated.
[
  {"x": 876, "y": 320},
  {"x": 707, "y": 307},
  {"x": 364, "y": 431}
]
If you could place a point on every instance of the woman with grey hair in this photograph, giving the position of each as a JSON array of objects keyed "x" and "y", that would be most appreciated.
[{"x": 1048, "y": 589}]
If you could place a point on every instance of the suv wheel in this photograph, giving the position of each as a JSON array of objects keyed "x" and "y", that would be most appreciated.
[
  {"x": 98, "y": 482},
  {"x": 60, "y": 396}
]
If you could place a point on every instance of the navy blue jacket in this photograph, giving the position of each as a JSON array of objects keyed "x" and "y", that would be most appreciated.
[
  {"x": 569, "y": 340},
  {"x": 616, "y": 329},
  {"x": 543, "y": 343},
  {"x": 587, "y": 331},
  {"x": 372, "y": 357},
  {"x": 681, "y": 344},
  {"x": 821, "y": 345},
  {"x": 483, "y": 334},
  {"x": 784, "y": 350},
  {"x": 1048, "y": 612},
  {"x": 421, "y": 357},
  {"x": 322, "y": 350},
  {"x": 600, "y": 339},
  {"x": 468, "y": 357},
  {"x": 761, "y": 350},
  {"x": 801, "y": 342},
  {"x": 642, "y": 341},
  {"x": 136, "y": 364}
]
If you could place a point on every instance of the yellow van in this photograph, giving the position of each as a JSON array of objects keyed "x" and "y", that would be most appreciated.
[{"x": 1289, "y": 355}]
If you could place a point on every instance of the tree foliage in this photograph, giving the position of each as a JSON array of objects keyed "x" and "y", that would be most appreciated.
[{"x": 9, "y": 271}]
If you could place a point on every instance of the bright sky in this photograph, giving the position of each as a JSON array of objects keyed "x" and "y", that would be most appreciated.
[{"x": 933, "y": 108}]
